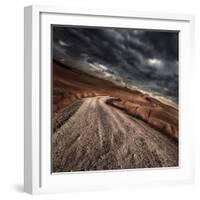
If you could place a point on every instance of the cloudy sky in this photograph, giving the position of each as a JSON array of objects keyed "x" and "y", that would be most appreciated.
[{"x": 145, "y": 58}]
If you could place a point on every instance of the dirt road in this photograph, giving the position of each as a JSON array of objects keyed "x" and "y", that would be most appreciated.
[{"x": 98, "y": 136}]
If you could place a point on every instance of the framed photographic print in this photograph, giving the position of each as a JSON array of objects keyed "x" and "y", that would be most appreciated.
[{"x": 106, "y": 99}]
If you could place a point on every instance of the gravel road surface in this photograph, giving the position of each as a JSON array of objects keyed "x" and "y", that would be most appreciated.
[{"x": 100, "y": 137}]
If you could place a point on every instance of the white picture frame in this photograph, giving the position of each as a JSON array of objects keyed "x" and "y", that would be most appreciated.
[{"x": 37, "y": 71}]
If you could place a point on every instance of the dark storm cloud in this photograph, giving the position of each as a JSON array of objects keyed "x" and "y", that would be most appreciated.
[{"x": 144, "y": 57}]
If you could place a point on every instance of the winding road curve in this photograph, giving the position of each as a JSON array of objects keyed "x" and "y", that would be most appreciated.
[{"x": 100, "y": 137}]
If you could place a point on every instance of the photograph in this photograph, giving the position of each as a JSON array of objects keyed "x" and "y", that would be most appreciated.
[{"x": 114, "y": 98}]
